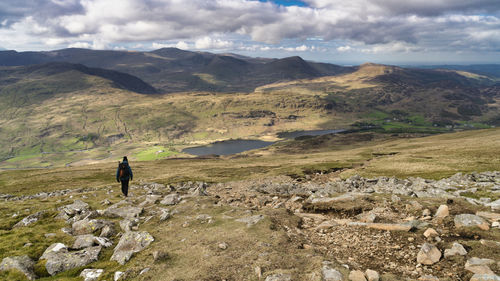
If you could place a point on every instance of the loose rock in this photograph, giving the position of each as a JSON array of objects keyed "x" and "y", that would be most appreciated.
[
  {"x": 479, "y": 266},
  {"x": 330, "y": 274},
  {"x": 91, "y": 274},
  {"x": 429, "y": 254},
  {"x": 21, "y": 263},
  {"x": 469, "y": 220},
  {"x": 357, "y": 275},
  {"x": 372, "y": 275},
  {"x": 456, "y": 249},
  {"x": 130, "y": 243},
  {"x": 279, "y": 277}
]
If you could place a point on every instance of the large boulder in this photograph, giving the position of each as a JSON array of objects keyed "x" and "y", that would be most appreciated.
[
  {"x": 469, "y": 220},
  {"x": 171, "y": 199},
  {"x": 485, "y": 277},
  {"x": 456, "y": 249},
  {"x": 21, "y": 263},
  {"x": 31, "y": 219},
  {"x": 89, "y": 240},
  {"x": 91, "y": 274},
  {"x": 87, "y": 226},
  {"x": 131, "y": 242},
  {"x": 479, "y": 266},
  {"x": 62, "y": 260},
  {"x": 428, "y": 254},
  {"x": 77, "y": 207},
  {"x": 127, "y": 212},
  {"x": 330, "y": 274}
]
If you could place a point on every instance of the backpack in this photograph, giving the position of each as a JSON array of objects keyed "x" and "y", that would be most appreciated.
[{"x": 123, "y": 170}]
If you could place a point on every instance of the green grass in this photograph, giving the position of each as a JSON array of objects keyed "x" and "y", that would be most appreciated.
[{"x": 154, "y": 153}]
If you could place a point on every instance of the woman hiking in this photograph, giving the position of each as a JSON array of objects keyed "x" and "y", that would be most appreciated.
[{"x": 124, "y": 174}]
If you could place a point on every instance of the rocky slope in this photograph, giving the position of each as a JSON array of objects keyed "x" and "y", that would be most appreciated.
[{"x": 323, "y": 228}]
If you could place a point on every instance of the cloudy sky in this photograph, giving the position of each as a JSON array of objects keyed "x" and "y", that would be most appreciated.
[{"x": 336, "y": 31}]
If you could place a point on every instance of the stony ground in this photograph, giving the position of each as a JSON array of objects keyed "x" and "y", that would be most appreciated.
[{"x": 316, "y": 228}]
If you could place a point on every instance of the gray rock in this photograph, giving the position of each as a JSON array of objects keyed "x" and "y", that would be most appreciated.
[
  {"x": 251, "y": 220},
  {"x": 21, "y": 263},
  {"x": 485, "y": 277},
  {"x": 91, "y": 274},
  {"x": 77, "y": 207},
  {"x": 127, "y": 224},
  {"x": 108, "y": 231},
  {"x": 279, "y": 277},
  {"x": 428, "y": 254},
  {"x": 428, "y": 278},
  {"x": 171, "y": 199},
  {"x": 330, "y": 274},
  {"x": 372, "y": 275},
  {"x": 479, "y": 266},
  {"x": 165, "y": 214},
  {"x": 222, "y": 246},
  {"x": 84, "y": 241},
  {"x": 87, "y": 226},
  {"x": 130, "y": 243},
  {"x": 495, "y": 205},
  {"x": 118, "y": 275},
  {"x": 127, "y": 212},
  {"x": 456, "y": 249},
  {"x": 159, "y": 256},
  {"x": 367, "y": 217},
  {"x": 200, "y": 190},
  {"x": 63, "y": 260},
  {"x": 150, "y": 200},
  {"x": 89, "y": 240},
  {"x": 31, "y": 219},
  {"x": 357, "y": 275},
  {"x": 442, "y": 212},
  {"x": 54, "y": 248},
  {"x": 469, "y": 220}
]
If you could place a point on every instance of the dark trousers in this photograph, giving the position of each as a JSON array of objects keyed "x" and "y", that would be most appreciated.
[{"x": 124, "y": 187}]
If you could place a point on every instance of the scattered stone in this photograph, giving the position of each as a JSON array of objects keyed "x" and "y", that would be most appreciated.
[
  {"x": 91, "y": 274},
  {"x": 108, "y": 231},
  {"x": 456, "y": 249},
  {"x": 426, "y": 212},
  {"x": 128, "y": 224},
  {"x": 165, "y": 214},
  {"x": 21, "y": 263},
  {"x": 49, "y": 235},
  {"x": 118, "y": 275},
  {"x": 442, "y": 212},
  {"x": 62, "y": 260},
  {"x": 29, "y": 244},
  {"x": 130, "y": 243},
  {"x": 106, "y": 202},
  {"x": 77, "y": 207},
  {"x": 357, "y": 275},
  {"x": 123, "y": 212},
  {"x": 431, "y": 233},
  {"x": 490, "y": 243},
  {"x": 84, "y": 241},
  {"x": 495, "y": 205},
  {"x": 395, "y": 198},
  {"x": 428, "y": 254},
  {"x": 479, "y": 266},
  {"x": 223, "y": 246},
  {"x": 279, "y": 277},
  {"x": 494, "y": 217},
  {"x": 428, "y": 278},
  {"x": 495, "y": 224},
  {"x": 145, "y": 270},
  {"x": 150, "y": 199},
  {"x": 159, "y": 256},
  {"x": 251, "y": 220},
  {"x": 87, "y": 226},
  {"x": 469, "y": 220},
  {"x": 372, "y": 275},
  {"x": 485, "y": 277},
  {"x": 171, "y": 199},
  {"x": 200, "y": 190},
  {"x": 54, "y": 248},
  {"x": 367, "y": 217},
  {"x": 29, "y": 220},
  {"x": 258, "y": 271},
  {"x": 330, "y": 274}
]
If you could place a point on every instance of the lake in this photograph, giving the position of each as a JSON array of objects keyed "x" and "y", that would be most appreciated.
[{"x": 236, "y": 146}]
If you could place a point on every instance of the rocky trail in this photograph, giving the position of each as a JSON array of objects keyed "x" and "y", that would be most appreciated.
[{"x": 278, "y": 229}]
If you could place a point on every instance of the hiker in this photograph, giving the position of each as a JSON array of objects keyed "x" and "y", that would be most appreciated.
[{"x": 124, "y": 174}]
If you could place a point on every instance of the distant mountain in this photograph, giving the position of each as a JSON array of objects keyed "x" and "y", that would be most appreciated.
[
  {"x": 66, "y": 77},
  {"x": 492, "y": 70},
  {"x": 175, "y": 70}
]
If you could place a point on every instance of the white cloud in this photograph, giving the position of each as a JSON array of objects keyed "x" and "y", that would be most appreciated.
[
  {"x": 398, "y": 26},
  {"x": 343, "y": 49},
  {"x": 206, "y": 43}
]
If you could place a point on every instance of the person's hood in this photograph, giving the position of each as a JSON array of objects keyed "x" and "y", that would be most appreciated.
[{"x": 125, "y": 162}]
